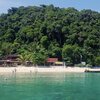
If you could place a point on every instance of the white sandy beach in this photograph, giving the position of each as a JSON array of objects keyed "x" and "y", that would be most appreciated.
[{"x": 23, "y": 69}]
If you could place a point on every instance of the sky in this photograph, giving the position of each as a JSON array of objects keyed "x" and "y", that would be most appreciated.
[{"x": 78, "y": 4}]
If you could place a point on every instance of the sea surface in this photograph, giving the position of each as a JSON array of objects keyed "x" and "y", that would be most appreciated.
[{"x": 50, "y": 86}]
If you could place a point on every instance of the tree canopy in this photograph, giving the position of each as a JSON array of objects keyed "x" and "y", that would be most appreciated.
[{"x": 48, "y": 31}]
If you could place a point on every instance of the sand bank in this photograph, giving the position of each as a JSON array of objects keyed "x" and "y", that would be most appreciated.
[{"x": 22, "y": 69}]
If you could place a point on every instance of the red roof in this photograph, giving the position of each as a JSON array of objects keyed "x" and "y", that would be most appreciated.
[{"x": 52, "y": 60}]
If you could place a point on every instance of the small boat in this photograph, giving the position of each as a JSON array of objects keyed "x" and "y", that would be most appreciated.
[{"x": 93, "y": 70}]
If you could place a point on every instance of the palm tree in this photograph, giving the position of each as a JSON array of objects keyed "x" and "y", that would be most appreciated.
[{"x": 24, "y": 57}]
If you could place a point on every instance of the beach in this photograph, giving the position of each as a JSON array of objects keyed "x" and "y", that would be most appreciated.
[
  {"x": 49, "y": 86},
  {"x": 23, "y": 69}
]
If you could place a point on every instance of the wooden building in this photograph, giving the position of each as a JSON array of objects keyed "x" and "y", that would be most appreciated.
[{"x": 10, "y": 61}]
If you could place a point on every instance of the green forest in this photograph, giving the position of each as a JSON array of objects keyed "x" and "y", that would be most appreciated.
[{"x": 40, "y": 32}]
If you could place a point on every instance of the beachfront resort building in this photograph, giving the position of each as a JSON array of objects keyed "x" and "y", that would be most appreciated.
[
  {"x": 54, "y": 62},
  {"x": 10, "y": 60}
]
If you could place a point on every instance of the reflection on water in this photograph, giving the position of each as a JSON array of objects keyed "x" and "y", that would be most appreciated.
[
  {"x": 54, "y": 77},
  {"x": 50, "y": 86}
]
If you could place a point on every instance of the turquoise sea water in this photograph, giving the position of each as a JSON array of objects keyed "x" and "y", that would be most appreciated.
[{"x": 44, "y": 86}]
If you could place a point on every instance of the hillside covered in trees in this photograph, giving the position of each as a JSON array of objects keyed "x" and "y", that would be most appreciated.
[{"x": 37, "y": 33}]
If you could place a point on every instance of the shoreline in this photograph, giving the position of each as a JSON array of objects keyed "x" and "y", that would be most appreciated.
[{"x": 23, "y": 69}]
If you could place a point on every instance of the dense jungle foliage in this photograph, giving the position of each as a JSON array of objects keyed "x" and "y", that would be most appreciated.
[{"x": 37, "y": 33}]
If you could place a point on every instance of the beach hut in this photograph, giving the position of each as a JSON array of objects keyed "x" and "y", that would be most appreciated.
[
  {"x": 10, "y": 60},
  {"x": 51, "y": 61}
]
